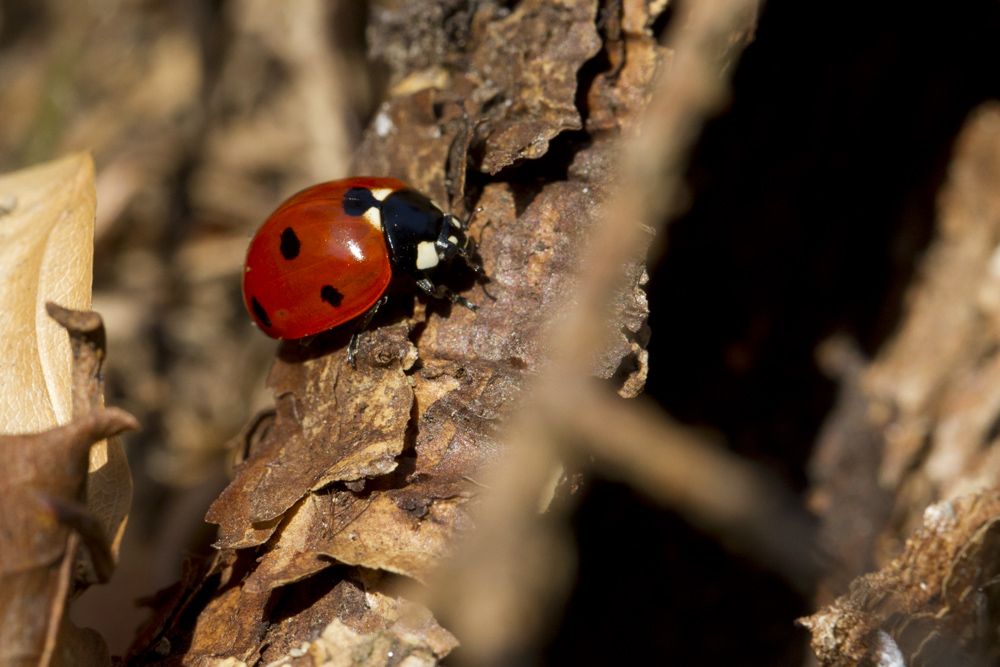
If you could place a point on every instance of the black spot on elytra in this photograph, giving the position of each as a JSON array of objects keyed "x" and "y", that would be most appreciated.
[
  {"x": 359, "y": 200},
  {"x": 289, "y": 244},
  {"x": 331, "y": 295},
  {"x": 259, "y": 312}
]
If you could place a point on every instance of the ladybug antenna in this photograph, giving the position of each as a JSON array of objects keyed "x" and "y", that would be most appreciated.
[
  {"x": 468, "y": 248},
  {"x": 472, "y": 216}
]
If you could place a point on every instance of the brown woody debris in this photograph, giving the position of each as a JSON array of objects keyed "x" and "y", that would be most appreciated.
[
  {"x": 914, "y": 431},
  {"x": 334, "y": 423},
  {"x": 925, "y": 604},
  {"x": 372, "y": 469}
]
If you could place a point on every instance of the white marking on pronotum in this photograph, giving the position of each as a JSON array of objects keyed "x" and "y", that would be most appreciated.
[
  {"x": 373, "y": 218},
  {"x": 454, "y": 241},
  {"x": 427, "y": 257},
  {"x": 381, "y": 193}
]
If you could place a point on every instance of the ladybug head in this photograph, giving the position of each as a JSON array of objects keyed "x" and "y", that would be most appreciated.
[{"x": 454, "y": 241}]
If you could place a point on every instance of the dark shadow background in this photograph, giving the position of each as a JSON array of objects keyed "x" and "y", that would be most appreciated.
[{"x": 812, "y": 200}]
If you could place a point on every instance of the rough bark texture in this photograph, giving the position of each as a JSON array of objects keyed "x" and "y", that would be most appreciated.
[
  {"x": 373, "y": 468},
  {"x": 918, "y": 430}
]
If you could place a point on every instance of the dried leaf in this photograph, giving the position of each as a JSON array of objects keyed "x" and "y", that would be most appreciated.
[
  {"x": 266, "y": 626},
  {"x": 46, "y": 254},
  {"x": 334, "y": 423},
  {"x": 47, "y": 225},
  {"x": 109, "y": 481},
  {"x": 403, "y": 531},
  {"x": 43, "y": 481}
]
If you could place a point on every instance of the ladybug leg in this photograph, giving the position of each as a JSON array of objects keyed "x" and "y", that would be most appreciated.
[
  {"x": 352, "y": 346},
  {"x": 442, "y": 292}
]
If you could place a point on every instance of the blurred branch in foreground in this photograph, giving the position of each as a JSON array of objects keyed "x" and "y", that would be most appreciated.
[{"x": 497, "y": 593}]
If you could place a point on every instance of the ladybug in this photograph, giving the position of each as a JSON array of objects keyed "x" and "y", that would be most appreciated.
[{"x": 327, "y": 254}]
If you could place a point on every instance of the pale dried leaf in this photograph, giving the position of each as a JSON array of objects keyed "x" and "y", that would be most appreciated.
[
  {"x": 109, "y": 489},
  {"x": 46, "y": 254}
]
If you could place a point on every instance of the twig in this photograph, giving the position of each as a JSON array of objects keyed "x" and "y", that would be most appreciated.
[{"x": 497, "y": 592}]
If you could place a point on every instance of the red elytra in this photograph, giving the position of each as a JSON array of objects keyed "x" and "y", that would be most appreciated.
[{"x": 312, "y": 266}]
